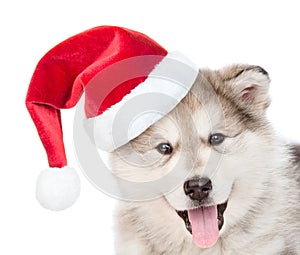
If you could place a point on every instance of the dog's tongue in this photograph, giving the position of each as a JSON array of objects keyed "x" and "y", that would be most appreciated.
[{"x": 204, "y": 223}]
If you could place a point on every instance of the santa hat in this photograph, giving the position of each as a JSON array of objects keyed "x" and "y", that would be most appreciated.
[{"x": 111, "y": 65}]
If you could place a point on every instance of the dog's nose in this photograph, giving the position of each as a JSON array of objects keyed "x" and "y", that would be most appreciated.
[{"x": 197, "y": 188}]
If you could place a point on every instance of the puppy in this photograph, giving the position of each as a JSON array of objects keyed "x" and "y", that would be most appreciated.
[{"x": 223, "y": 182}]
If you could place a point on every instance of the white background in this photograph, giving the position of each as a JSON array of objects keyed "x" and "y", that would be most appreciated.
[{"x": 211, "y": 33}]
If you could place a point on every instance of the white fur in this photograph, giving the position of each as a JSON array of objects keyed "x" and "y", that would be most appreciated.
[
  {"x": 107, "y": 139},
  {"x": 57, "y": 188}
]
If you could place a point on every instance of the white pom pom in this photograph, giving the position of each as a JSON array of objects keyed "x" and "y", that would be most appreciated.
[{"x": 57, "y": 188}]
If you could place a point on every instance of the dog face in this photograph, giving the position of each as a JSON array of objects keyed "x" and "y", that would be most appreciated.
[{"x": 216, "y": 140}]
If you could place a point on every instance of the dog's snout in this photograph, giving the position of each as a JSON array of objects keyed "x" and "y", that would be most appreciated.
[{"x": 197, "y": 188}]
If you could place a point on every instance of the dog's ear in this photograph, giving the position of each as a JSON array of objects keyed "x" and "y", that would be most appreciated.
[{"x": 250, "y": 86}]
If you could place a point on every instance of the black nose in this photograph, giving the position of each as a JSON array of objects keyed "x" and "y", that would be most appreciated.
[{"x": 197, "y": 188}]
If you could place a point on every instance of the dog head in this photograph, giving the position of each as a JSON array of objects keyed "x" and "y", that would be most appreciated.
[{"x": 217, "y": 143}]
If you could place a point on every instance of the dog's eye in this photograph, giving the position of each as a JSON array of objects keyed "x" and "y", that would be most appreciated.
[
  {"x": 164, "y": 148},
  {"x": 216, "y": 139}
]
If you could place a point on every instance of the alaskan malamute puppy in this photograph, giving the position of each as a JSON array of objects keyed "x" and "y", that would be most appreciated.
[{"x": 234, "y": 187}]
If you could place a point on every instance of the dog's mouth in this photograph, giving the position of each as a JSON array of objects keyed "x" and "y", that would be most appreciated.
[{"x": 204, "y": 223}]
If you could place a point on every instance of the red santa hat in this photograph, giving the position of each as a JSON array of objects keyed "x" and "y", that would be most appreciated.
[{"x": 112, "y": 65}]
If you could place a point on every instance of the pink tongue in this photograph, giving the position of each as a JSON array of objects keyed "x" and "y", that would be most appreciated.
[{"x": 204, "y": 223}]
